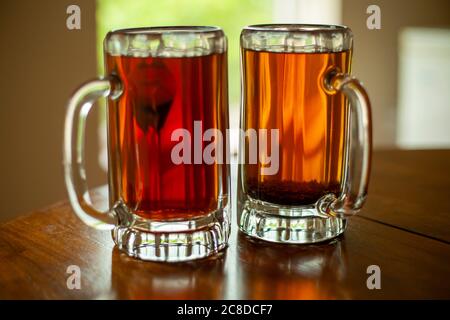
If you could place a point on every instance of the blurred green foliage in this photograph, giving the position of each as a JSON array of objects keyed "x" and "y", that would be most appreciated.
[{"x": 230, "y": 15}]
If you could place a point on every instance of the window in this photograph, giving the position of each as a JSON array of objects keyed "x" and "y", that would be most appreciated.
[{"x": 231, "y": 15}]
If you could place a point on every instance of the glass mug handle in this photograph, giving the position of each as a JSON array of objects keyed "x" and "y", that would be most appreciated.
[
  {"x": 359, "y": 147},
  {"x": 73, "y": 149}
]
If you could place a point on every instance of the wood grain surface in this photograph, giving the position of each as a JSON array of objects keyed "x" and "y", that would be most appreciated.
[{"x": 404, "y": 229}]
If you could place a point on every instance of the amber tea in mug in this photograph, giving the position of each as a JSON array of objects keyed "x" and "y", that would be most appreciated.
[{"x": 311, "y": 124}]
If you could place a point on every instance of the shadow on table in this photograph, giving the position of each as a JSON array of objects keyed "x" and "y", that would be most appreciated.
[{"x": 275, "y": 271}]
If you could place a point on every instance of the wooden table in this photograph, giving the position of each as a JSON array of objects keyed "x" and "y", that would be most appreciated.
[{"x": 404, "y": 229}]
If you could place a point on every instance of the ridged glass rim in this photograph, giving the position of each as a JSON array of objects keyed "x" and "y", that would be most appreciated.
[
  {"x": 166, "y": 41},
  {"x": 297, "y": 38},
  {"x": 297, "y": 27},
  {"x": 168, "y": 30}
]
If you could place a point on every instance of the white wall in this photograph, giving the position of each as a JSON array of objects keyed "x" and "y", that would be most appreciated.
[
  {"x": 307, "y": 11},
  {"x": 423, "y": 119}
]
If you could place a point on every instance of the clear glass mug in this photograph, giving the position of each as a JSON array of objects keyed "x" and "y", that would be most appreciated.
[
  {"x": 166, "y": 88},
  {"x": 307, "y": 133}
]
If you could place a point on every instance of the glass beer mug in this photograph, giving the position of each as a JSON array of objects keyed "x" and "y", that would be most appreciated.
[
  {"x": 307, "y": 139},
  {"x": 165, "y": 88}
]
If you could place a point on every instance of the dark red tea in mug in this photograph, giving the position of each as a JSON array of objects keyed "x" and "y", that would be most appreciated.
[{"x": 159, "y": 96}]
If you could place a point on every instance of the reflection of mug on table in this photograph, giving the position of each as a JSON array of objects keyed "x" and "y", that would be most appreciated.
[
  {"x": 269, "y": 271},
  {"x": 133, "y": 279}
]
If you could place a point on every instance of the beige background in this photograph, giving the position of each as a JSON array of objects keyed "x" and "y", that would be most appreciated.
[
  {"x": 42, "y": 63},
  {"x": 376, "y": 56}
]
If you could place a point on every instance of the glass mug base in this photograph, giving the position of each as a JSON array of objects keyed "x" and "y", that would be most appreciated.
[
  {"x": 178, "y": 240},
  {"x": 288, "y": 224}
]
